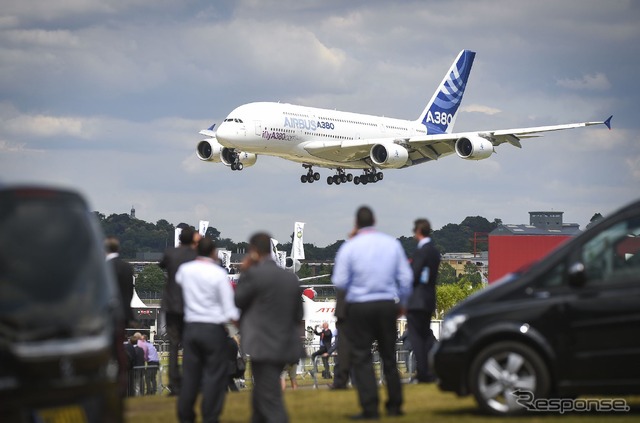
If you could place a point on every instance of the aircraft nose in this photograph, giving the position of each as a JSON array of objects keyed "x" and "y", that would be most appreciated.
[
  {"x": 223, "y": 133},
  {"x": 226, "y": 135}
]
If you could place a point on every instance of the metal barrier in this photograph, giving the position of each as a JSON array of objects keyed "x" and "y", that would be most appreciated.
[{"x": 145, "y": 380}]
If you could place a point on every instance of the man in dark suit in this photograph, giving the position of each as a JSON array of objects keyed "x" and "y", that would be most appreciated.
[
  {"x": 270, "y": 325},
  {"x": 325, "y": 343},
  {"x": 422, "y": 303},
  {"x": 172, "y": 302},
  {"x": 124, "y": 274}
]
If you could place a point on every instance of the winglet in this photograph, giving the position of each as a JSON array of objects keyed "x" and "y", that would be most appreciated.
[{"x": 608, "y": 122}]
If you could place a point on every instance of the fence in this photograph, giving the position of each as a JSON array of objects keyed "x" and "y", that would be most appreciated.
[{"x": 145, "y": 380}]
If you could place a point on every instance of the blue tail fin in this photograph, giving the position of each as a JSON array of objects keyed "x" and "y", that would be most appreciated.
[{"x": 440, "y": 114}]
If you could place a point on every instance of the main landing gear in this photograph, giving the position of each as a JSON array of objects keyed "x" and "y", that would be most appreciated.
[
  {"x": 369, "y": 176},
  {"x": 311, "y": 176},
  {"x": 339, "y": 178}
]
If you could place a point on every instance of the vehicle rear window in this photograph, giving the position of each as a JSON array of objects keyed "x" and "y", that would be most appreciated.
[{"x": 53, "y": 281}]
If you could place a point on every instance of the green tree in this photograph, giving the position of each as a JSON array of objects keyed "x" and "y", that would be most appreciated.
[
  {"x": 150, "y": 279},
  {"x": 449, "y": 295},
  {"x": 472, "y": 274},
  {"x": 446, "y": 274}
]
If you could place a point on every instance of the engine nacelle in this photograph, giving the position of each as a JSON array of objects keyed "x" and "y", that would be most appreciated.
[
  {"x": 210, "y": 150},
  {"x": 292, "y": 265},
  {"x": 474, "y": 148},
  {"x": 389, "y": 156}
]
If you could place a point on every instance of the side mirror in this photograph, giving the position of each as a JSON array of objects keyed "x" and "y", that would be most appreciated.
[{"x": 577, "y": 277}]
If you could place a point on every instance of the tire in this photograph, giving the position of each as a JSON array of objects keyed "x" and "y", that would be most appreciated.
[
  {"x": 329, "y": 180},
  {"x": 303, "y": 179},
  {"x": 502, "y": 368},
  {"x": 316, "y": 176}
]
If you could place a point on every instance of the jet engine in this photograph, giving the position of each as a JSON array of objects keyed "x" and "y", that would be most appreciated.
[
  {"x": 292, "y": 264},
  {"x": 474, "y": 148},
  {"x": 210, "y": 150},
  {"x": 389, "y": 156}
]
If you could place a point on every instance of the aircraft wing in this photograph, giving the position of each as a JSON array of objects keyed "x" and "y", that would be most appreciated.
[{"x": 431, "y": 146}]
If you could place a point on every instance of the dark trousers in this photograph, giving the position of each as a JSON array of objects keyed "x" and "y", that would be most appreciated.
[
  {"x": 205, "y": 365},
  {"x": 151, "y": 375},
  {"x": 267, "y": 402},
  {"x": 175, "y": 326},
  {"x": 342, "y": 361},
  {"x": 325, "y": 361},
  {"x": 421, "y": 337},
  {"x": 367, "y": 322}
]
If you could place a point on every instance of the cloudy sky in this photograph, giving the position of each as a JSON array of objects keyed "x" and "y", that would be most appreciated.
[{"x": 108, "y": 96}]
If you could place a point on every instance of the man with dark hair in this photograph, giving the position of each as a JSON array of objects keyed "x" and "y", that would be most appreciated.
[
  {"x": 124, "y": 275},
  {"x": 270, "y": 324},
  {"x": 172, "y": 299},
  {"x": 373, "y": 270},
  {"x": 422, "y": 303},
  {"x": 208, "y": 306}
]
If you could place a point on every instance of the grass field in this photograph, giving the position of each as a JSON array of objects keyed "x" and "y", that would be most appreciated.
[{"x": 423, "y": 403}]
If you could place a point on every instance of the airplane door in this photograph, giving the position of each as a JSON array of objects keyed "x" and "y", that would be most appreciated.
[{"x": 258, "y": 125}]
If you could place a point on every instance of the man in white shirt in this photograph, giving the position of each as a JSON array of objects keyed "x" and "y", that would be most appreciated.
[{"x": 208, "y": 306}]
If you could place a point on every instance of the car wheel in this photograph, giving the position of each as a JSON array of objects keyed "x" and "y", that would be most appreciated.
[{"x": 503, "y": 368}]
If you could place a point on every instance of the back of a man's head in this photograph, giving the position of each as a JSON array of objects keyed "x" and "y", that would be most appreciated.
[
  {"x": 111, "y": 244},
  {"x": 364, "y": 217},
  {"x": 261, "y": 243},
  {"x": 422, "y": 226},
  {"x": 186, "y": 236},
  {"x": 206, "y": 247}
]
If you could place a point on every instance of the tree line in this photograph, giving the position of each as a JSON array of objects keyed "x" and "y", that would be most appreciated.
[{"x": 138, "y": 236}]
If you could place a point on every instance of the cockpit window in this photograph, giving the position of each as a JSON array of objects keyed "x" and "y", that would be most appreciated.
[{"x": 236, "y": 120}]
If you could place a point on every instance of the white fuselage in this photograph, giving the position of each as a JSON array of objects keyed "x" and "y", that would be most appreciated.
[{"x": 282, "y": 130}]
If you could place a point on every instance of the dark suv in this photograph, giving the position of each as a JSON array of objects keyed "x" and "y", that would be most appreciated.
[
  {"x": 569, "y": 325},
  {"x": 61, "y": 324}
]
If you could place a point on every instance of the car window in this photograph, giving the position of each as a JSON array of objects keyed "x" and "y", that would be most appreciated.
[
  {"x": 554, "y": 277},
  {"x": 614, "y": 254}
]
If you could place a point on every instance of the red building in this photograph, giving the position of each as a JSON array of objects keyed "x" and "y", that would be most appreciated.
[{"x": 514, "y": 246}]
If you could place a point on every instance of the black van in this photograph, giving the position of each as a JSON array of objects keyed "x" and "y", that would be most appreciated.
[
  {"x": 568, "y": 325},
  {"x": 61, "y": 323}
]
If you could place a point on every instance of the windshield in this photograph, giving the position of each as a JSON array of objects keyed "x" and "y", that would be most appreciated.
[{"x": 53, "y": 280}]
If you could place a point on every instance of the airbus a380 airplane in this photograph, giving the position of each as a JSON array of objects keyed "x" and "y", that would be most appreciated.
[{"x": 343, "y": 140}]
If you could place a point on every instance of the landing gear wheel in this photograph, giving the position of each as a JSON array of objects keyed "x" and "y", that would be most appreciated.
[
  {"x": 502, "y": 368},
  {"x": 316, "y": 176},
  {"x": 303, "y": 178},
  {"x": 380, "y": 176},
  {"x": 356, "y": 180},
  {"x": 329, "y": 180},
  {"x": 349, "y": 177},
  {"x": 239, "y": 166},
  {"x": 233, "y": 166}
]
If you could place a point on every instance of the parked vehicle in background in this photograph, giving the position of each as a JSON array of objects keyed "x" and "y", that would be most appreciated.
[
  {"x": 567, "y": 326},
  {"x": 61, "y": 324}
]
